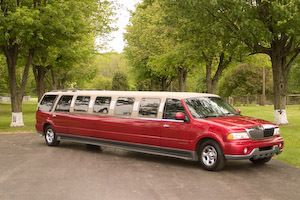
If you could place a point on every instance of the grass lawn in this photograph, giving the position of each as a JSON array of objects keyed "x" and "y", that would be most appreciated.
[
  {"x": 291, "y": 132},
  {"x": 29, "y": 109}
]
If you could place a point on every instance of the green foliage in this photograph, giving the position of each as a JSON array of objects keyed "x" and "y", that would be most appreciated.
[
  {"x": 244, "y": 80},
  {"x": 120, "y": 81},
  {"x": 294, "y": 79},
  {"x": 3, "y": 77},
  {"x": 106, "y": 65}
]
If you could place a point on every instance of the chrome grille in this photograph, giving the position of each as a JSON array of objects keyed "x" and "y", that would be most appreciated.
[
  {"x": 268, "y": 132},
  {"x": 258, "y": 132}
]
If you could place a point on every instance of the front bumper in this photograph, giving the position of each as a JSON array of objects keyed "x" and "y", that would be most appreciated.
[
  {"x": 239, "y": 150},
  {"x": 256, "y": 154}
]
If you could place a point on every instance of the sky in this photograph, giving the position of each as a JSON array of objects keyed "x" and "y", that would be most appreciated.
[{"x": 123, "y": 14}]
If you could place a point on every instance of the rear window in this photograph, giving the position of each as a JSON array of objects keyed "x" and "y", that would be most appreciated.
[
  {"x": 47, "y": 103},
  {"x": 149, "y": 107},
  {"x": 82, "y": 103},
  {"x": 124, "y": 106},
  {"x": 64, "y": 104},
  {"x": 102, "y": 105}
]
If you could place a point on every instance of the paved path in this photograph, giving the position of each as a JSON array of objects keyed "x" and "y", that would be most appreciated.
[{"x": 30, "y": 170}]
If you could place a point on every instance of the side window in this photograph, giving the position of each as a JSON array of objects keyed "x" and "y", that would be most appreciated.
[
  {"x": 124, "y": 106},
  {"x": 149, "y": 107},
  {"x": 82, "y": 103},
  {"x": 47, "y": 103},
  {"x": 102, "y": 105},
  {"x": 64, "y": 103},
  {"x": 172, "y": 106}
]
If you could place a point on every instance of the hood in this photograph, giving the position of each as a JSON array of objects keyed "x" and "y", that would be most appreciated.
[{"x": 238, "y": 122}]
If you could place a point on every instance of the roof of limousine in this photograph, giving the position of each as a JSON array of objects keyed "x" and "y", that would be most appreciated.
[{"x": 180, "y": 95}]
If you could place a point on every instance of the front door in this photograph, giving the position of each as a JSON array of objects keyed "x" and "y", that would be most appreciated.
[{"x": 175, "y": 133}]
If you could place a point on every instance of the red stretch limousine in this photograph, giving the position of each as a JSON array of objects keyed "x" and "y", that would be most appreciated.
[{"x": 193, "y": 126}]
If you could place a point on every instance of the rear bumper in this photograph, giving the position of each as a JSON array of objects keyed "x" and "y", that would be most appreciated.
[{"x": 239, "y": 150}]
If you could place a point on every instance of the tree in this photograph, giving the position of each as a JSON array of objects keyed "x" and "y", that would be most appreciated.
[
  {"x": 119, "y": 81},
  {"x": 67, "y": 51},
  {"x": 30, "y": 26},
  {"x": 212, "y": 46},
  {"x": 154, "y": 49},
  {"x": 264, "y": 26}
]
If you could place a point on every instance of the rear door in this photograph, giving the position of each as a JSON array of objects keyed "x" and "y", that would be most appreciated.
[
  {"x": 80, "y": 120},
  {"x": 175, "y": 133},
  {"x": 61, "y": 115}
]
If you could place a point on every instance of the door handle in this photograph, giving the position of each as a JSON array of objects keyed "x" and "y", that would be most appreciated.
[
  {"x": 166, "y": 126},
  {"x": 54, "y": 115}
]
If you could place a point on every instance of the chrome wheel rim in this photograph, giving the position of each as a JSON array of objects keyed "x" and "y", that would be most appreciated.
[
  {"x": 209, "y": 155},
  {"x": 49, "y": 135}
]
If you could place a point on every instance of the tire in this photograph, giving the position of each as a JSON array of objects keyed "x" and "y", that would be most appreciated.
[
  {"x": 211, "y": 156},
  {"x": 260, "y": 161},
  {"x": 50, "y": 136}
]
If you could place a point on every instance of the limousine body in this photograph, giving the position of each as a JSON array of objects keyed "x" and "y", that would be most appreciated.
[{"x": 193, "y": 126}]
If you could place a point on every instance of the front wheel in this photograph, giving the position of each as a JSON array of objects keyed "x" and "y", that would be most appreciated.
[
  {"x": 260, "y": 161},
  {"x": 50, "y": 137},
  {"x": 211, "y": 156}
]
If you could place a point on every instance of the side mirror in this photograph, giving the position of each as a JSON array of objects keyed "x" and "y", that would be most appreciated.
[
  {"x": 238, "y": 111},
  {"x": 180, "y": 116}
]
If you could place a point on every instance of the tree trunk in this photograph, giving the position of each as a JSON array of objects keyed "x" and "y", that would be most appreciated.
[
  {"x": 39, "y": 73},
  {"x": 16, "y": 92},
  {"x": 208, "y": 80},
  {"x": 280, "y": 80},
  {"x": 212, "y": 82},
  {"x": 182, "y": 73},
  {"x": 54, "y": 81},
  {"x": 163, "y": 84}
]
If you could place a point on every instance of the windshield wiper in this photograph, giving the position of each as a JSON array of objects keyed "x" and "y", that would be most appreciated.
[{"x": 207, "y": 116}]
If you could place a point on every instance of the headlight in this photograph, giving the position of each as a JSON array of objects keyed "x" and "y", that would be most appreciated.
[
  {"x": 276, "y": 131},
  {"x": 238, "y": 136}
]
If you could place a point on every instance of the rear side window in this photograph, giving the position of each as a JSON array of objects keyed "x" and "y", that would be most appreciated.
[
  {"x": 102, "y": 105},
  {"x": 124, "y": 106},
  {"x": 47, "y": 103},
  {"x": 172, "y": 106},
  {"x": 82, "y": 103},
  {"x": 64, "y": 104},
  {"x": 149, "y": 107}
]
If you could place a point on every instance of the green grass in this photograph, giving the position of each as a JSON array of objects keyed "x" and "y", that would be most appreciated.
[
  {"x": 291, "y": 132},
  {"x": 29, "y": 109}
]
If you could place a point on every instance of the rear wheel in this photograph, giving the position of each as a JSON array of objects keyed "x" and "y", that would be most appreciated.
[
  {"x": 260, "y": 161},
  {"x": 211, "y": 156},
  {"x": 51, "y": 137}
]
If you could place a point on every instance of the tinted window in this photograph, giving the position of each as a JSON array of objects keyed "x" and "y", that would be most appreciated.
[
  {"x": 124, "y": 106},
  {"x": 64, "y": 104},
  {"x": 47, "y": 103},
  {"x": 102, "y": 105},
  {"x": 149, "y": 107},
  {"x": 172, "y": 106},
  {"x": 82, "y": 103}
]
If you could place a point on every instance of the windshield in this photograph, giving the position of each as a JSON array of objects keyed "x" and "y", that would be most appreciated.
[{"x": 203, "y": 107}]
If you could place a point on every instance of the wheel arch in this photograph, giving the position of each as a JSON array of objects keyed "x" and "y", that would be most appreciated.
[{"x": 204, "y": 138}]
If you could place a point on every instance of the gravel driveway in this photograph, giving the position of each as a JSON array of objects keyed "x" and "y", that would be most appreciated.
[{"x": 31, "y": 170}]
